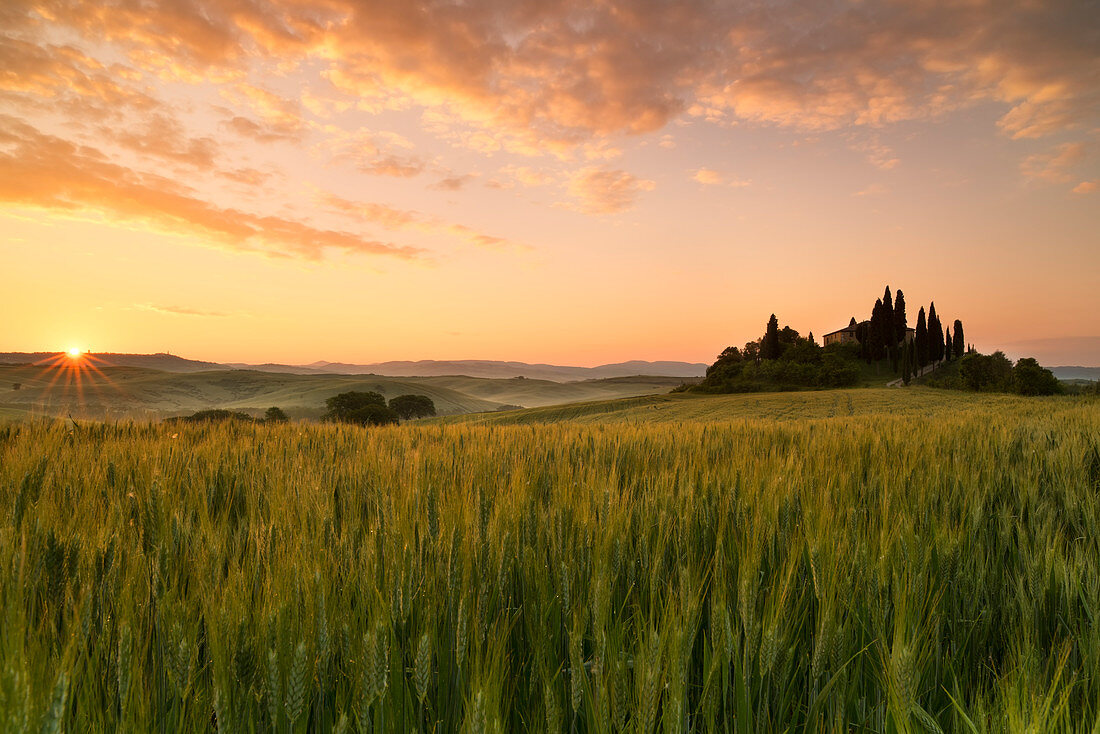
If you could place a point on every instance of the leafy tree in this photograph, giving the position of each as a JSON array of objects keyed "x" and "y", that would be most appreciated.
[
  {"x": 727, "y": 365},
  {"x": 906, "y": 361},
  {"x": 275, "y": 415},
  {"x": 935, "y": 335},
  {"x": 921, "y": 339},
  {"x": 1031, "y": 378},
  {"x": 900, "y": 325},
  {"x": 986, "y": 372},
  {"x": 769, "y": 348},
  {"x": 412, "y": 406},
  {"x": 957, "y": 339},
  {"x": 360, "y": 408}
]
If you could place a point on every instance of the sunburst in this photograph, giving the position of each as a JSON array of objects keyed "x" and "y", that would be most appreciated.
[{"x": 72, "y": 370}]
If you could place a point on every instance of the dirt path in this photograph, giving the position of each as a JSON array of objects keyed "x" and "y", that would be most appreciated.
[{"x": 900, "y": 382}]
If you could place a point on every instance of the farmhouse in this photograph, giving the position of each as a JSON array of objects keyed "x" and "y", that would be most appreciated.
[{"x": 849, "y": 333}]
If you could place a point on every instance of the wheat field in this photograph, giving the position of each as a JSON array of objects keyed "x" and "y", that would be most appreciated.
[{"x": 894, "y": 570}]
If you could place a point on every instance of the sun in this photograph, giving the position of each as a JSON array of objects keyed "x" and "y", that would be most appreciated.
[{"x": 74, "y": 353}]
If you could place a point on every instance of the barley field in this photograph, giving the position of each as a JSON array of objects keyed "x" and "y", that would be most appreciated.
[{"x": 912, "y": 567}]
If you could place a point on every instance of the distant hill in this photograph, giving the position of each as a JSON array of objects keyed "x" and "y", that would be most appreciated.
[
  {"x": 424, "y": 368},
  {"x": 1076, "y": 373},
  {"x": 500, "y": 369},
  {"x": 161, "y": 361}
]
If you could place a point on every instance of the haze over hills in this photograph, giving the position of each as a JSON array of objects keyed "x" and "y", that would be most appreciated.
[
  {"x": 502, "y": 369},
  {"x": 1076, "y": 373},
  {"x": 119, "y": 392},
  {"x": 404, "y": 368}
]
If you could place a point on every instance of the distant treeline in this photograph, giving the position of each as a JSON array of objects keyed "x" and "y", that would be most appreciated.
[{"x": 781, "y": 360}]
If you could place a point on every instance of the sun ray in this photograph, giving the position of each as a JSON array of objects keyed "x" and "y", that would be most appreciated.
[{"x": 76, "y": 375}]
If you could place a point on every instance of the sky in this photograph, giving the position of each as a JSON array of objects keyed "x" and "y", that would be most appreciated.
[{"x": 562, "y": 181}]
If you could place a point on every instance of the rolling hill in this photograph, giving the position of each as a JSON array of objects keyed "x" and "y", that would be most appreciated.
[{"x": 116, "y": 392}]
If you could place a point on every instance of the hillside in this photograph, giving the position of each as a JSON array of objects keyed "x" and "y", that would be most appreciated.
[
  {"x": 687, "y": 407},
  {"x": 131, "y": 392}
]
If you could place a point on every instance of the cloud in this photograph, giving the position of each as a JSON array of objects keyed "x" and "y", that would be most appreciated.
[
  {"x": 394, "y": 219},
  {"x": 1055, "y": 165},
  {"x": 164, "y": 137},
  {"x": 179, "y": 310},
  {"x": 380, "y": 153},
  {"x": 875, "y": 189},
  {"x": 46, "y": 172},
  {"x": 1086, "y": 187},
  {"x": 710, "y": 177},
  {"x": 606, "y": 191},
  {"x": 707, "y": 176},
  {"x": 544, "y": 76},
  {"x": 279, "y": 118},
  {"x": 453, "y": 183}
]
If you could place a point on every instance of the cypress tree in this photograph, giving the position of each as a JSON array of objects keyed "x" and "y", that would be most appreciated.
[
  {"x": 770, "y": 347},
  {"x": 922, "y": 339},
  {"x": 947, "y": 348},
  {"x": 877, "y": 344},
  {"x": 958, "y": 339},
  {"x": 900, "y": 326},
  {"x": 906, "y": 361},
  {"x": 935, "y": 335}
]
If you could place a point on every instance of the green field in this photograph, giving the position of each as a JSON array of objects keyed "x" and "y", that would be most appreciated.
[
  {"x": 862, "y": 560},
  {"x": 693, "y": 407}
]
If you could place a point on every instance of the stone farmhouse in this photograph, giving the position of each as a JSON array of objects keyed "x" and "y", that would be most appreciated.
[{"x": 848, "y": 334}]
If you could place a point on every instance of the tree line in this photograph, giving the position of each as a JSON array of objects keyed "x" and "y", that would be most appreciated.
[{"x": 782, "y": 359}]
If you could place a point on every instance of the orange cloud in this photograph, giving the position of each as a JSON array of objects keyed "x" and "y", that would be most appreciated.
[
  {"x": 403, "y": 219},
  {"x": 548, "y": 76},
  {"x": 46, "y": 172},
  {"x": 606, "y": 191},
  {"x": 1055, "y": 165},
  {"x": 1086, "y": 187}
]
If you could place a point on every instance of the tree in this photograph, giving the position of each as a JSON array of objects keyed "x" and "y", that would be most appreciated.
[
  {"x": 907, "y": 361},
  {"x": 1031, "y": 378},
  {"x": 275, "y": 415},
  {"x": 935, "y": 335},
  {"x": 900, "y": 326},
  {"x": 988, "y": 372},
  {"x": 216, "y": 415},
  {"x": 412, "y": 406},
  {"x": 947, "y": 350},
  {"x": 876, "y": 345},
  {"x": 922, "y": 339},
  {"x": 360, "y": 408},
  {"x": 769, "y": 349},
  {"x": 957, "y": 339}
]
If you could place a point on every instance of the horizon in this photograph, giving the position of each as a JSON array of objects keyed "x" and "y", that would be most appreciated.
[
  {"x": 565, "y": 184},
  {"x": 1051, "y": 358}
]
